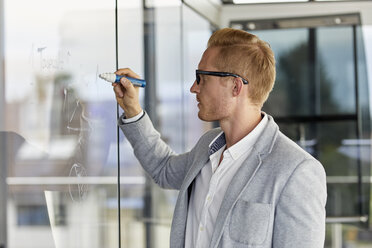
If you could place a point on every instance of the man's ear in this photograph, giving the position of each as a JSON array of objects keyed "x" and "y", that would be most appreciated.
[{"x": 237, "y": 86}]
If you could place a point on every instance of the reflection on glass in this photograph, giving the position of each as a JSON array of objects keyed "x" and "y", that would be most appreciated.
[
  {"x": 180, "y": 38},
  {"x": 196, "y": 32},
  {"x": 339, "y": 154},
  {"x": 168, "y": 74},
  {"x": 170, "y": 114},
  {"x": 323, "y": 87},
  {"x": 336, "y": 69},
  {"x": 292, "y": 72},
  {"x": 337, "y": 193},
  {"x": 60, "y": 124},
  {"x": 132, "y": 182}
]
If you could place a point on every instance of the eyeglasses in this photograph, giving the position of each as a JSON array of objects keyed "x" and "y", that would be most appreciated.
[{"x": 217, "y": 74}]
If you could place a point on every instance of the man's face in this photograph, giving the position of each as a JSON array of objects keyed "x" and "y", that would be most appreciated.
[{"x": 212, "y": 93}]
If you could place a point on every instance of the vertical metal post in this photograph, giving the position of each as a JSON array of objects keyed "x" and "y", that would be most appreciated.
[
  {"x": 313, "y": 72},
  {"x": 183, "y": 99},
  {"x": 3, "y": 190},
  {"x": 336, "y": 235},
  {"x": 314, "y": 84},
  {"x": 358, "y": 124},
  {"x": 3, "y": 164},
  {"x": 150, "y": 62},
  {"x": 117, "y": 128},
  {"x": 150, "y": 105},
  {"x": 2, "y": 64}
]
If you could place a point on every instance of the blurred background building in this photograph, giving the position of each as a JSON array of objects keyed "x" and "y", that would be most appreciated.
[{"x": 68, "y": 177}]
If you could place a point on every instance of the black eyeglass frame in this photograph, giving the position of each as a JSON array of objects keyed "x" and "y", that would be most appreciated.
[{"x": 217, "y": 74}]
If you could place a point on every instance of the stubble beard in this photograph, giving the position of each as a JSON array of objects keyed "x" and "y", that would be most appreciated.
[{"x": 208, "y": 116}]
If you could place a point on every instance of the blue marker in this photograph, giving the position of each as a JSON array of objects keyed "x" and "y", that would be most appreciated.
[{"x": 113, "y": 78}]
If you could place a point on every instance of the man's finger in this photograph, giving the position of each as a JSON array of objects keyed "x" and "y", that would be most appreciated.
[
  {"x": 118, "y": 90},
  {"x": 127, "y": 84},
  {"x": 127, "y": 72}
]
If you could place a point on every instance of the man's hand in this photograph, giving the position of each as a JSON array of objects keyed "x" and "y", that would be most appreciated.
[{"x": 127, "y": 94}]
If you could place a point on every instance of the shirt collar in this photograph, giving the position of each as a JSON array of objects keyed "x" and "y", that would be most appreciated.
[{"x": 244, "y": 145}]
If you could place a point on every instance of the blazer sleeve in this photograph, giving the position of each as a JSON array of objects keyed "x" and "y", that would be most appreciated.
[
  {"x": 300, "y": 212},
  {"x": 165, "y": 167}
]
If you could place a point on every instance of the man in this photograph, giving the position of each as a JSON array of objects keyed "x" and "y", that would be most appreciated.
[{"x": 244, "y": 184}]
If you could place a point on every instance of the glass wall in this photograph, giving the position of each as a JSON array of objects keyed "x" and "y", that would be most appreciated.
[
  {"x": 60, "y": 124},
  {"x": 130, "y": 54},
  {"x": 60, "y": 147}
]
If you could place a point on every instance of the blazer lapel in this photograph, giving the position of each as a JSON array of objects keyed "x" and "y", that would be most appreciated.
[
  {"x": 238, "y": 183},
  {"x": 178, "y": 229},
  {"x": 244, "y": 176}
]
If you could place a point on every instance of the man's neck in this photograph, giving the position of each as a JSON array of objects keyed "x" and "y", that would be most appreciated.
[{"x": 239, "y": 126}]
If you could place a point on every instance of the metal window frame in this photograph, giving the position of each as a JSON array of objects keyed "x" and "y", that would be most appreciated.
[
  {"x": 342, "y": 19},
  {"x": 3, "y": 169}
]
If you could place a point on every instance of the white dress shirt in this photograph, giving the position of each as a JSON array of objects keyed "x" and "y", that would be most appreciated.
[{"x": 211, "y": 184}]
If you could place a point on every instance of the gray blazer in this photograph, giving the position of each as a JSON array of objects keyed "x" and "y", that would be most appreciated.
[{"x": 276, "y": 199}]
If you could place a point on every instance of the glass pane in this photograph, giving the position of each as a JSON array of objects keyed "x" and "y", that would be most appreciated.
[
  {"x": 170, "y": 109},
  {"x": 146, "y": 209},
  {"x": 303, "y": 87},
  {"x": 343, "y": 157},
  {"x": 291, "y": 93},
  {"x": 364, "y": 117},
  {"x": 168, "y": 74},
  {"x": 196, "y": 32},
  {"x": 343, "y": 199},
  {"x": 60, "y": 128},
  {"x": 347, "y": 235},
  {"x": 335, "y": 70},
  {"x": 132, "y": 181},
  {"x": 339, "y": 155}
]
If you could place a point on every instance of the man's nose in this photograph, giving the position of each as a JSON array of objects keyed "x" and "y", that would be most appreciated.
[{"x": 194, "y": 88}]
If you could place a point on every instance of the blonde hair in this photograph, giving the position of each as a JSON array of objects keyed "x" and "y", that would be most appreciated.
[{"x": 245, "y": 54}]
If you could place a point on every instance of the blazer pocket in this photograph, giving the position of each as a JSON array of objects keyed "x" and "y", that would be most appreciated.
[{"x": 250, "y": 222}]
